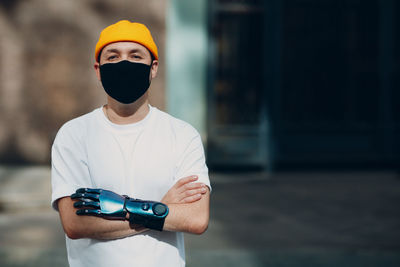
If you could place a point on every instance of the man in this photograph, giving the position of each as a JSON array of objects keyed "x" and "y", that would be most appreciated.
[{"x": 128, "y": 148}]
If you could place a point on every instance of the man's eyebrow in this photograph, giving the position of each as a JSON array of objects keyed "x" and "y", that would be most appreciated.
[
  {"x": 136, "y": 50},
  {"x": 114, "y": 50},
  {"x": 111, "y": 50}
]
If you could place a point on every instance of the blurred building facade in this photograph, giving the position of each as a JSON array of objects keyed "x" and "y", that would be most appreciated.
[
  {"x": 269, "y": 84},
  {"x": 293, "y": 83},
  {"x": 304, "y": 83}
]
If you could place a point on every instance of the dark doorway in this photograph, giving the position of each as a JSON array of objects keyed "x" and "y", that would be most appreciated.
[
  {"x": 304, "y": 83},
  {"x": 236, "y": 118}
]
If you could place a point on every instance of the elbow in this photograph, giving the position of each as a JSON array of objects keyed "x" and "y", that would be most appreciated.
[
  {"x": 201, "y": 229},
  {"x": 72, "y": 233},
  {"x": 200, "y": 226},
  {"x": 71, "y": 223}
]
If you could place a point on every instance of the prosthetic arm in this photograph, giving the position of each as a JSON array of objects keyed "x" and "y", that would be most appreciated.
[{"x": 109, "y": 205}]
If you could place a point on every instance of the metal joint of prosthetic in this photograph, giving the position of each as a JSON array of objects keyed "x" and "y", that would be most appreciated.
[{"x": 150, "y": 214}]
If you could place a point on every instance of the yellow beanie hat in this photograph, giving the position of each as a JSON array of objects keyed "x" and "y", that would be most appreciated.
[{"x": 125, "y": 30}]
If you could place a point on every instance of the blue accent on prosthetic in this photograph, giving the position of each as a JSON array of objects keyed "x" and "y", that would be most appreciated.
[
  {"x": 148, "y": 213},
  {"x": 107, "y": 204}
]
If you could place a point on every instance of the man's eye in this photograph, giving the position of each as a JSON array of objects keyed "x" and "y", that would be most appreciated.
[
  {"x": 136, "y": 56},
  {"x": 111, "y": 57}
]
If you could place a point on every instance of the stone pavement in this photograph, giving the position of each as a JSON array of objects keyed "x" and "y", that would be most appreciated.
[{"x": 257, "y": 219}]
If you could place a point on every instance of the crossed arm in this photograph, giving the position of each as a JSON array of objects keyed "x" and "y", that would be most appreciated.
[{"x": 188, "y": 204}]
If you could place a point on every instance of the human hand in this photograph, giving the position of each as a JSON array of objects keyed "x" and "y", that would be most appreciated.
[{"x": 185, "y": 191}]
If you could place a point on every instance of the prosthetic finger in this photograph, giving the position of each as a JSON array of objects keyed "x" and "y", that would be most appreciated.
[
  {"x": 87, "y": 204},
  {"x": 100, "y": 202},
  {"x": 89, "y": 190},
  {"x": 88, "y": 212},
  {"x": 85, "y": 196}
]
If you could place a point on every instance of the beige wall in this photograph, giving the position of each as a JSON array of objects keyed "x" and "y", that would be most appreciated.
[{"x": 46, "y": 66}]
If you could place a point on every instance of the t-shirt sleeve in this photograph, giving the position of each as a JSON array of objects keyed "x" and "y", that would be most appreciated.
[
  {"x": 69, "y": 169},
  {"x": 191, "y": 158}
]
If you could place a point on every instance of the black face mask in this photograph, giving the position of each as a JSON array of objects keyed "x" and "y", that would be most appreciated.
[{"x": 125, "y": 81}]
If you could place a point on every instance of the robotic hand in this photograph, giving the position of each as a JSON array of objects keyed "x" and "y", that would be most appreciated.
[{"x": 109, "y": 205}]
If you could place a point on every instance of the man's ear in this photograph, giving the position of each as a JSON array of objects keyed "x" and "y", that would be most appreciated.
[
  {"x": 97, "y": 70},
  {"x": 154, "y": 68}
]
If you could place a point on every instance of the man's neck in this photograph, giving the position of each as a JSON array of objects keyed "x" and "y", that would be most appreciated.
[{"x": 126, "y": 113}]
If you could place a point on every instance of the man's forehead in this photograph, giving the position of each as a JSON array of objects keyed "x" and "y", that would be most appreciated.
[{"x": 122, "y": 46}]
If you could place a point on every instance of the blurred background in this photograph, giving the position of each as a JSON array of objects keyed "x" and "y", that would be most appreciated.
[{"x": 296, "y": 102}]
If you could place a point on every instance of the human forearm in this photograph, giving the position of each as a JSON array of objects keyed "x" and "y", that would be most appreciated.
[
  {"x": 93, "y": 227},
  {"x": 102, "y": 229},
  {"x": 189, "y": 217}
]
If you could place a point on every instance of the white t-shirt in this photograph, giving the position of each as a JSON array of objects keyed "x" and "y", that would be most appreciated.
[{"x": 142, "y": 160}]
